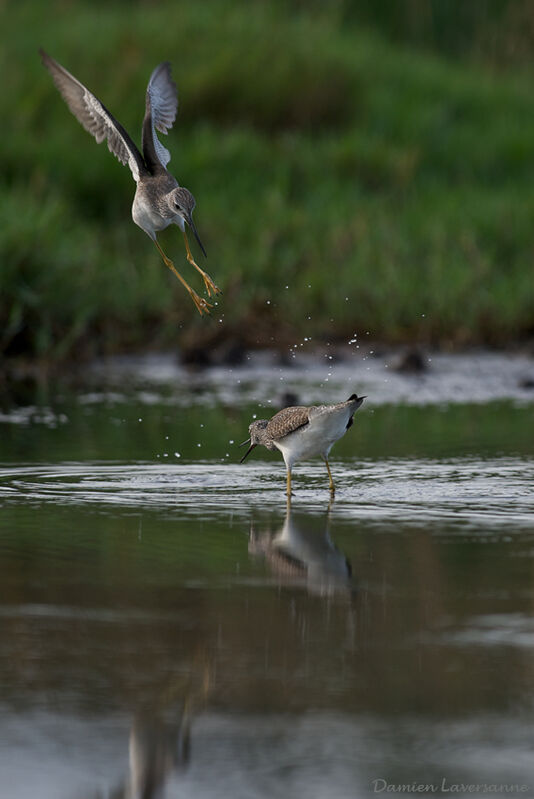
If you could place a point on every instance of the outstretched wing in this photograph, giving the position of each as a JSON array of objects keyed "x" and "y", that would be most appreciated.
[
  {"x": 287, "y": 421},
  {"x": 161, "y": 107},
  {"x": 94, "y": 117}
]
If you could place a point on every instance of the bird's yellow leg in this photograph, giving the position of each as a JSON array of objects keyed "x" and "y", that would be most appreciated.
[
  {"x": 332, "y": 486},
  {"x": 201, "y": 305},
  {"x": 288, "y": 490},
  {"x": 208, "y": 282}
]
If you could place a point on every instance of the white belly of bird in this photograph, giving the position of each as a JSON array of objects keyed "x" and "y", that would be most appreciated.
[
  {"x": 150, "y": 220},
  {"x": 315, "y": 439}
]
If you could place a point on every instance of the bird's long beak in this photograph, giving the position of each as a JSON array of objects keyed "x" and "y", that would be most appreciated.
[
  {"x": 249, "y": 450},
  {"x": 189, "y": 220}
]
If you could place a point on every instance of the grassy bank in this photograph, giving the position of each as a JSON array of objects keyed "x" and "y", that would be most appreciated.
[{"x": 344, "y": 183}]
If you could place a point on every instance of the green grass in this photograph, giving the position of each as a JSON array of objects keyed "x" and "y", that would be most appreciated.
[{"x": 344, "y": 183}]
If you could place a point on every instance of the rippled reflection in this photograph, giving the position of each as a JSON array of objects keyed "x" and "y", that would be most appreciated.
[
  {"x": 157, "y": 749},
  {"x": 159, "y": 741},
  {"x": 301, "y": 553}
]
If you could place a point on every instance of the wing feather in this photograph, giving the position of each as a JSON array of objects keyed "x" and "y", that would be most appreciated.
[
  {"x": 95, "y": 117},
  {"x": 161, "y": 108},
  {"x": 287, "y": 421}
]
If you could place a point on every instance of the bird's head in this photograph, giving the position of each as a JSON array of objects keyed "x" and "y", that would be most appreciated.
[
  {"x": 256, "y": 431},
  {"x": 183, "y": 204}
]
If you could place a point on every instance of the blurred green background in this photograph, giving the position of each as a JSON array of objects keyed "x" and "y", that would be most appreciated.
[{"x": 358, "y": 166}]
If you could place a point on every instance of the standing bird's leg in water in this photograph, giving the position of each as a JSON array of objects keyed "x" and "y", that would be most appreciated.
[
  {"x": 288, "y": 491},
  {"x": 208, "y": 282},
  {"x": 332, "y": 486},
  {"x": 201, "y": 305}
]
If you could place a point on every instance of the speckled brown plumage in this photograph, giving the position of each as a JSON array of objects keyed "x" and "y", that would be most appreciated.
[
  {"x": 287, "y": 421},
  {"x": 301, "y": 432}
]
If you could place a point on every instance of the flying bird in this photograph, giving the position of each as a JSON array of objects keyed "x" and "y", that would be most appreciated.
[{"x": 159, "y": 200}]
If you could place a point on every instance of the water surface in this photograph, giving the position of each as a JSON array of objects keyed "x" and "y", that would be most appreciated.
[{"x": 170, "y": 624}]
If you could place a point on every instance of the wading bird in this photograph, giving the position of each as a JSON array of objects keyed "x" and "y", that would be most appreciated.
[
  {"x": 301, "y": 432},
  {"x": 159, "y": 200}
]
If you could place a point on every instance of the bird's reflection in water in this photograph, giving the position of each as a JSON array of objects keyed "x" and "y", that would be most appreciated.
[
  {"x": 159, "y": 743},
  {"x": 158, "y": 747},
  {"x": 301, "y": 553}
]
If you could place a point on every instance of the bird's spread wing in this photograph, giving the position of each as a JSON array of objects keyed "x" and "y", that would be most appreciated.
[
  {"x": 287, "y": 421},
  {"x": 161, "y": 107},
  {"x": 94, "y": 117}
]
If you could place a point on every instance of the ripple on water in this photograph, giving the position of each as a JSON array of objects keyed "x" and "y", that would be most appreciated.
[{"x": 466, "y": 490}]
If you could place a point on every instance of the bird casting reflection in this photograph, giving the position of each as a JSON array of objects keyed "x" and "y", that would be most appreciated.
[{"x": 301, "y": 432}]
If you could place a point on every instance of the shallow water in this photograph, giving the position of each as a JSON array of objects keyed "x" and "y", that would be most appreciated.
[{"x": 168, "y": 623}]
